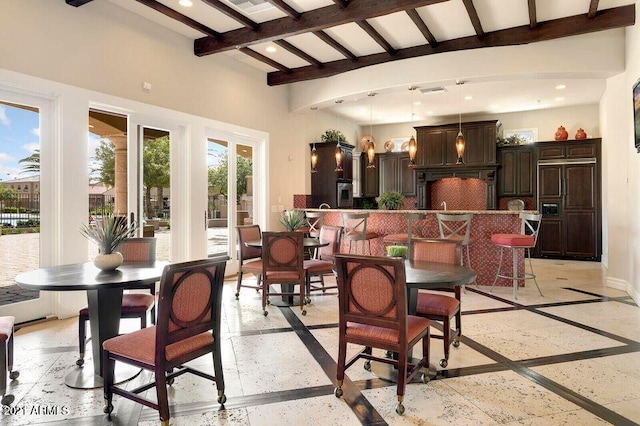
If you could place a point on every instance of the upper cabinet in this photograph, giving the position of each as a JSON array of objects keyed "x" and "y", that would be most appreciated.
[
  {"x": 437, "y": 144},
  {"x": 395, "y": 173},
  {"x": 517, "y": 171},
  {"x": 324, "y": 182}
]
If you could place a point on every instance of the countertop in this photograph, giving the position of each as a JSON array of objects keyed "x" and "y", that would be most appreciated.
[{"x": 491, "y": 212}]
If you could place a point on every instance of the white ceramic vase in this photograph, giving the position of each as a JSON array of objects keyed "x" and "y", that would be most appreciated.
[{"x": 108, "y": 262}]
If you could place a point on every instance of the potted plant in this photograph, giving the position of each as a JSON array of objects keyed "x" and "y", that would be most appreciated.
[
  {"x": 333, "y": 136},
  {"x": 391, "y": 200},
  {"x": 292, "y": 219},
  {"x": 396, "y": 251},
  {"x": 108, "y": 233}
]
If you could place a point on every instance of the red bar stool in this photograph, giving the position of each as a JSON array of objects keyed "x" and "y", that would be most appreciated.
[
  {"x": 355, "y": 229},
  {"x": 526, "y": 240}
]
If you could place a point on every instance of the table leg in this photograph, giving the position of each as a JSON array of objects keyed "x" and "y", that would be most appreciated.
[{"x": 104, "y": 319}]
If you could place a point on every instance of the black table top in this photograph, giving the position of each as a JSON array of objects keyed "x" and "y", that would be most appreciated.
[
  {"x": 85, "y": 276},
  {"x": 425, "y": 275},
  {"x": 307, "y": 242}
]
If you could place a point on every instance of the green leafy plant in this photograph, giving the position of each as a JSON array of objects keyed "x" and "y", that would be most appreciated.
[
  {"x": 333, "y": 136},
  {"x": 292, "y": 219},
  {"x": 397, "y": 251},
  {"x": 108, "y": 232},
  {"x": 391, "y": 200}
]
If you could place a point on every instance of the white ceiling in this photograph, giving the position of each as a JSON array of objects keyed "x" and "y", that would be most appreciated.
[{"x": 447, "y": 20}]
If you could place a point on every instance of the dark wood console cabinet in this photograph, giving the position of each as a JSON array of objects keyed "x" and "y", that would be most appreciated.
[{"x": 324, "y": 182}]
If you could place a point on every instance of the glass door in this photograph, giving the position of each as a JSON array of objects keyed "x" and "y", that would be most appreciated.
[{"x": 25, "y": 222}]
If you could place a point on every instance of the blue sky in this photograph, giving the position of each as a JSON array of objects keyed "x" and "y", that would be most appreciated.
[{"x": 19, "y": 138}]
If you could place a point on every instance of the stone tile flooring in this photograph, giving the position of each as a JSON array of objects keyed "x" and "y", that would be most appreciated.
[{"x": 571, "y": 357}]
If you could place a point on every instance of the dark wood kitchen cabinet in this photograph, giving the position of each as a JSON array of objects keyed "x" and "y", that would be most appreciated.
[
  {"x": 437, "y": 144},
  {"x": 370, "y": 177},
  {"x": 324, "y": 183},
  {"x": 569, "y": 200},
  {"x": 395, "y": 173},
  {"x": 516, "y": 175}
]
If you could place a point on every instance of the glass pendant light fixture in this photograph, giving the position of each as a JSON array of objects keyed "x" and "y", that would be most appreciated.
[
  {"x": 460, "y": 142},
  {"x": 413, "y": 145},
  {"x": 338, "y": 155},
  {"x": 370, "y": 143},
  {"x": 314, "y": 159}
]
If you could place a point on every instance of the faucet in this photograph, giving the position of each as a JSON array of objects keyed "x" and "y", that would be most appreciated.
[
  {"x": 324, "y": 205},
  {"x": 444, "y": 205}
]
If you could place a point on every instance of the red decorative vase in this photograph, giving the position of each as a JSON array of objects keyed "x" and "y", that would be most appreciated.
[
  {"x": 562, "y": 134},
  {"x": 581, "y": 134}
]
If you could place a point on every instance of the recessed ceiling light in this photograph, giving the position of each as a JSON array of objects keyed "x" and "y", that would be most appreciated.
[
  {"x": 468, "y": 98},
  {"x": 559, "y": 99},
  {"x": 185, "y": 3},
  {"x": 417, "y": 103},
  {"x": 561, "y": 86},
  {"x": 429, "y": 112},
  {"x": 271, "y": 49}
]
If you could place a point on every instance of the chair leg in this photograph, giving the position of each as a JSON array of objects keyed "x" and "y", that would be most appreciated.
[
  {"x": 514, "y": 255},
  {"x": 108, "y": 366},
  {"x": 497, "y": 273},
  {"x": 3, "y": 372},
  {"x": 82, "y": 339},
  {"x": 446, "y": 338},
  {"x": 161, "y": 395},
  {"x": 143, "y": 320},
  {"x": 402, "y": 378},
  {"x": 532, "y": 274},
  {"x": 239, "y": 283},
  {"x": 469, "y": 264},
  {"x": 217, "y": 368}
]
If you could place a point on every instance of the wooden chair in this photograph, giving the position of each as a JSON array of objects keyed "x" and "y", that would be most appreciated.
[
  {"x": 439, "y": 307},
  {"x": 315, "y": 220},
  {"x": 250, "y": 258},
  {"x": 6, "y": 358},
  {"x": 373, "y": 313},
  {"x": 324, "y": 262},
  {"x": 188, "y": 327},
  {"x": 355, "y": 229},
  {"x": 525, "y": 240},
  {"x": 134, "y": 305},
  {"x": 405, "y": 238},
  {"x": 282, "y": 263}
]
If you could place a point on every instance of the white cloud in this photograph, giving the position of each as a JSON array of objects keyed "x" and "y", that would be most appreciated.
[
  {"x": 3, "y": 116},
  {"x": 32, "y": 146},
  {"x": 36, "y": 131},
  {"x": 6, "y": 158}
]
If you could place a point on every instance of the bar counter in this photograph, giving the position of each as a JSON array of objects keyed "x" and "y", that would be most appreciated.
[{"x": 485, "y": 255}]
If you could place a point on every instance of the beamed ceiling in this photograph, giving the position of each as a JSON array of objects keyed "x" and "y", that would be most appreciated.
[{"x": 321, "y": 38}]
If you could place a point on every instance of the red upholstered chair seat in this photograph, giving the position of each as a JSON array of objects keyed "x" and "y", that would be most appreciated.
[
  {"x": 355, "y": 235},
  {"x": 317, "y": 266},
  {"x": 514, "y": 240},
  {"x": 131, "y": 303},
  {"x": 415, "y": 326},
  {"x": 6, "y": 328},
  {"x": 437, "y": 304},
  {"x": 141, "y": 345}
]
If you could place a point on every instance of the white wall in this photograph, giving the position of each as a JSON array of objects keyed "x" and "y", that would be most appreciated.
[{"x": 621, "y": 185}]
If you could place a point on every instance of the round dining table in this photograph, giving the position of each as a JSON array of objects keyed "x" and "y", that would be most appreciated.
[{"x": 104, "y": 294}]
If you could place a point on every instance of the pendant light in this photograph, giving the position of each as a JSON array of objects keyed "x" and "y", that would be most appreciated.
[
  {"x": 460, "y": 142},
  {"x": 413, "y": 145},
  {"x": 338, "y": 155},
  {"x": 370, "y": 143}
]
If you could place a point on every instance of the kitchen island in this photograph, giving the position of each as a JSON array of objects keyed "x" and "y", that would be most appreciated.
[{"x": 485, "y": 256}]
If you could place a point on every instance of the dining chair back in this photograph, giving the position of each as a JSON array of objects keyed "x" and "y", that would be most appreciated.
[
  {"x": 134, "y": 305},
  {"x": 440, "y": 307},
  {"x": 355, "y": 230},
  {"x": 525, "y": 240},
  {"x": 249, "y": 258},
  {"x": 324, "y": 262},
  {"x": 373, "y": 314},
  {"x": 315, "y": 220},
  {"x": 188, "y": 327},
  {"x": 6, "y": 358},
  {"x": 457, "y": 227},
  {"x": 283, "y": 263},
  {"x": 405, "y": 238}
]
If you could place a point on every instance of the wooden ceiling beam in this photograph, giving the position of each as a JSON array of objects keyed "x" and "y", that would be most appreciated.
[
  {"x": 233, "y": 14},
  {"x": 311, "y": 21},
  {"x": 417, "y": 20},
  {"x": 77, "y": 3},
  {"x": 607, "y": 19},
  {"x": 260, "y": 57},
  {"x": 167, "y": 11},
  {"x": 473, "y": 15},
  {"x": 341, "y": 3},
  {"x": 333, "y": 43},
  {"x": 301, "y": 54},
  {"x": 593, "y": 9},
  {"x": 285, "y": 8},
  {"x": 376, "y": 36},
  {"x": 533, "y": 14}
]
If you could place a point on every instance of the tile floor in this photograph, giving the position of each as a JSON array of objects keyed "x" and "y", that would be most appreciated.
[{"x": 570, "y": 358}]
